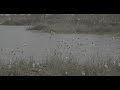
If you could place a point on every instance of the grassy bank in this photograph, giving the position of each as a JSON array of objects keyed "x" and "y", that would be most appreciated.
[
  {"x": 81, "y": 23},
  {"x": 71, "y": 28},
  {"x": 67, "y": 23},
  {"x": 56, "y": 65}
]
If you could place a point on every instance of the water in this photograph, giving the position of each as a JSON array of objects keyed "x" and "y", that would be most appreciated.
[{"x": 39, "y": 44}]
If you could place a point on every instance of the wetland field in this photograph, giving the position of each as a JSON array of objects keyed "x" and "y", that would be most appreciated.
[{"x": 60, "y": 45}]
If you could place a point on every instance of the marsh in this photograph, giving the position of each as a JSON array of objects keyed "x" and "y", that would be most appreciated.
[
  {"x": 12, "y": 37},
  {"x": 17, "y": 42}
]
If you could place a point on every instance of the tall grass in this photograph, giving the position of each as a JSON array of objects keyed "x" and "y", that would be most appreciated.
[{"x": 57, "y": 65}]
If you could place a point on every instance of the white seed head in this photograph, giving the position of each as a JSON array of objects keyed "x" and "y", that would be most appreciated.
[
  {"x": 66, "y": 57},
  {"x": 33, "y": 65},
  {"x": 9, "y": 66},
  {"x": 113, "y": 38},
  {"x": 114, "y": 62},
  {"x": 83, "y": 73},
  {"x": 39, "y": 70},
  {"x": 106, "y": 66},
  {"x": 25, "y": 45},
  {"x": 66, "y": 72}
]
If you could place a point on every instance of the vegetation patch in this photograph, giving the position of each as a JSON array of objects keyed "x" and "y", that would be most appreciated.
[
  {"x": 41, "y": 27},
  {"x": 56, "y": 65},
  {"x": 71, "y": 28}
]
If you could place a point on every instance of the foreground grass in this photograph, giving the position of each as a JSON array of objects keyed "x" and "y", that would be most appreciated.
[{"x": 56, "y": 65}]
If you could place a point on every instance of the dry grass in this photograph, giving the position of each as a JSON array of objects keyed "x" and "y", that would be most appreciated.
[{"x": 56, "y": 65}]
